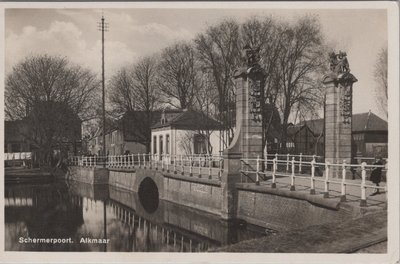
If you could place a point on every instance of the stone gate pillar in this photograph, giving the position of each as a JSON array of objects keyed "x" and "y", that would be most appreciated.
[
  {"x": 338, "y": 84},
  {"x": 247, "y": 141}
]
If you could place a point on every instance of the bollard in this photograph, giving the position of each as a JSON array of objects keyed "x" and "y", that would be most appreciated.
[
  {"x": 363, "y": 201},
  {"x": 274, "y": 166},
  {"x": 326, "y": 183},
  {"x": 343, "y": 183},
  {"x": 292, "y": 188},
  {"x": 258, "y": 170},
  {"x": 312, "y": 190},
  {"x": 300, "y": 160}
]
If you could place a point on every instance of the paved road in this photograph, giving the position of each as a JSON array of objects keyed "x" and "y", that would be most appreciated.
[{"x": 345, "y": 237}]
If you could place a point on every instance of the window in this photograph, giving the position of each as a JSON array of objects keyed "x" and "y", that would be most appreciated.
[
  {"x": 167, "y": 144},
  {"x": 199, "y": 144},
  {"x": 154, "y": 144}
]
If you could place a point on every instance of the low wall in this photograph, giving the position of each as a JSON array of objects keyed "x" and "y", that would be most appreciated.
[
  {"x": 282, "y": 212},
  {"x": 193, "y": 193},
  {"x": 88, "y": 175}
]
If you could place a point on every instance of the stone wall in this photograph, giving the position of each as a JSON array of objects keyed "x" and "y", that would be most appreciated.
[
  {"x": 284, "y": 213},
  {"x": 88, "y": 175},
  {"x": 202, "y": 196}
]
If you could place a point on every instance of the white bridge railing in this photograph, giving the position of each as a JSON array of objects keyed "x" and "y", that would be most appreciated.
[
  {"x": 273, "y": 169},
  {"x": 18, "y": 156},
  {"x": 201, "y": 166}
]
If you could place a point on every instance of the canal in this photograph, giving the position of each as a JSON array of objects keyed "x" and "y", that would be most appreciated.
[{"x": 72, "y": 216}]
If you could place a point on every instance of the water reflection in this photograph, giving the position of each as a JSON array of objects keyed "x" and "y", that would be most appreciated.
[{"x": 81, "y": 211}]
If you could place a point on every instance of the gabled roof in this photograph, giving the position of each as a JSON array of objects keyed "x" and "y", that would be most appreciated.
[
  {"x": 360, "y": 123},
  {"x": 368, "y": 122},
  {"x": 188, "y": 120}
]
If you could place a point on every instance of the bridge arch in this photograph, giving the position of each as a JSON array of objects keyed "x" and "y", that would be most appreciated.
[{"x": 149, "y": 195}]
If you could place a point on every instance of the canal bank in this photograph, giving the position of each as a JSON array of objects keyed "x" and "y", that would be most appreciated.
[{"x": 335, "y": 237}]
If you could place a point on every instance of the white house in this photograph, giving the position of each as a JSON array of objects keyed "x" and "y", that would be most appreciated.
[{"x": 185, "y": 132}]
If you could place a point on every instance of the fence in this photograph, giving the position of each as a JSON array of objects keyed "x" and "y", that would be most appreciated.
[
  {"x": 18, "y": 156},
  {"x": 208, "y": 166},
  {"x": 275, "y": 168}
]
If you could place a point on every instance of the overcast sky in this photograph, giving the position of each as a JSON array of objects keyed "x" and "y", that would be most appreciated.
[{"x": 138, "y": 32}]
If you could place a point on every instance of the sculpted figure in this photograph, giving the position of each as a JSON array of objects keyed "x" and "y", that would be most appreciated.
[{"x": 339, "y": 63}]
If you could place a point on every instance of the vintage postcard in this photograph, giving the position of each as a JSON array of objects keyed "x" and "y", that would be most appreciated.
[{"x": 200, "y": 132}]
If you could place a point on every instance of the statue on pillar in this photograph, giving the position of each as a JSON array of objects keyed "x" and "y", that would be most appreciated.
[{"x": 340, "y": 74}]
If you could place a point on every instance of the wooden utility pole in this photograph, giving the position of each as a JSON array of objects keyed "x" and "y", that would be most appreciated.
[{"x": 103, "y": 27}]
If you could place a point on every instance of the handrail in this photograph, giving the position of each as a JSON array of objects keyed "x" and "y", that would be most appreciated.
[{"x": 254, "y": 167}]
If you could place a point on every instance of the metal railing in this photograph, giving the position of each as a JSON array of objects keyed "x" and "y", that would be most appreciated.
[
  {"x": 201, "y": 166},
  {"x": 254, "y": 170},
  {"x": 18, "y": 156}
]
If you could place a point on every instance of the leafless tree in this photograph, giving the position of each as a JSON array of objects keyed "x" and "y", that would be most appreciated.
[
  {"x": 218, "y": 50},
  {"x": 134, "y": 88},
  {"x": 380, "y": 74},
  {"x": 52, "y": 96},
  {"x": 300, "y": 63},
  {"x": 177, "y": 75}
]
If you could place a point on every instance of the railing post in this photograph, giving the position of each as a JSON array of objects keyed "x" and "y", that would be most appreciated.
[
  {"x": 312, "y": 190},
  {"x": 343, "y": 183},
  {"x": 144, "y": 160},
  {"x": 287, "y": 163},
  {"x": 300, "y": 160},
  {"x": 168, "y": 161},
  {"x": 258, "y": 170},
  {"x": 274, "y": 167},
  {"x": 139, "y": 160},
  {"x": 174, "y": 164},
  {"x": 220, "y": 168},
  {"x": 326, "y": 182},
  {"x": 209, "y": 167},
  {"x": 182, "y": 166},
  {"x": 199, "y": 166},
  {"x": 363, "y": 201},
  {"x": 162, "y": 161},
  {"x": 190, "y": 166},
  {"x": 292, "y": 188}
]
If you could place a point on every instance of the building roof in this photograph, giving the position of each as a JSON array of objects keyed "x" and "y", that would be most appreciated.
[
  {"x": 368, "y": 122},
  {"x": 188, "y": 120},
  {"x": 360, "y": 123}
]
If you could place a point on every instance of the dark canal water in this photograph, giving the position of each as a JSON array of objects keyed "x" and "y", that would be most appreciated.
[{"x": 74, "y": 214}]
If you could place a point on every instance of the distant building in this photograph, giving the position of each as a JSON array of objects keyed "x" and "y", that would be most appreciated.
[
  {"x": 185, "y": 132},
  {"x": 369, "y": 135},
  {"x": 16, "y": 137},
  {"x": 130, "y": 134}
]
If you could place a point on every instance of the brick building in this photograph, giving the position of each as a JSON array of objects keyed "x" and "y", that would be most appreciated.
[{"x": 369, "y": 136}]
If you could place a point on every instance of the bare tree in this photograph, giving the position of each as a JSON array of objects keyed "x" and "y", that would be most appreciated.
[
  {"x": 380, "y": 74},
  {"x": 134, "y": 89},
  {"x": 218, "y": 50},
  {"x": 299, "y": 63},
  {"x": 52, "y": 96},
  {"x": 122, "y": 94},
  {"x": 177, "y": 75}
]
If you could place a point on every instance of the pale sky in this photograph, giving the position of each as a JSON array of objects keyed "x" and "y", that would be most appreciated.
[{"x": 138, "y": 32}]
